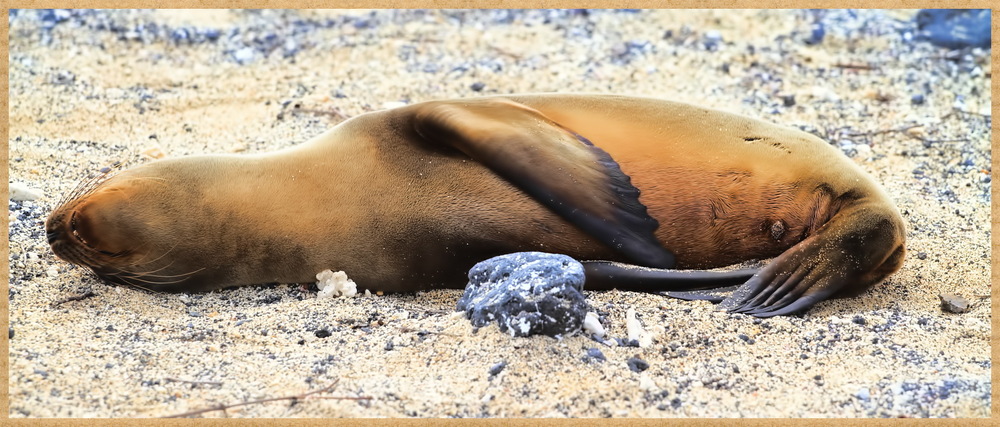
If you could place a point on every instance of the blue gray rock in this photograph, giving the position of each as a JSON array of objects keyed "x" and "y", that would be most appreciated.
[
  {"x": 816, "y": 34},
  {"x": 595, "y": 354},
  {"x": 527, "y": 293},
  {"x": 955, "y": 28}
]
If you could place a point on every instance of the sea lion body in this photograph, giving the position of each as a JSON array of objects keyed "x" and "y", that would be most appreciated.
[{"x": 411, "y": 197}]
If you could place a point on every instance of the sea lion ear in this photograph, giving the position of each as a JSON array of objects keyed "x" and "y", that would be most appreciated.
[{"x": 554, "y": 165}]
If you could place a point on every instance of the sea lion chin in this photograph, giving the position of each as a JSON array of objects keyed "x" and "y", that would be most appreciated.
[{"x": 410, "y": 198}]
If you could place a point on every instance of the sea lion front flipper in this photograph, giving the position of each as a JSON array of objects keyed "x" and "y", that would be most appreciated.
[
  {"x": 857, "y": 248},
  {"x": 555, "y": 166}
]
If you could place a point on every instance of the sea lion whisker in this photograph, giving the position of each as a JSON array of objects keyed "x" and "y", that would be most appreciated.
[
  {"x": 182, "y": 275},
  {"x": 81, "y": 255},
  {"x": 149, "y": 271},
  {"x": 141, "y": 261},
  {"x": 88, "y": 185},
  {"x": 155, "y": 282},
  {"x": 127, "y": 283}
]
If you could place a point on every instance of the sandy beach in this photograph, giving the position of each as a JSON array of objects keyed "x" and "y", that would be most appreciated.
[{"x": 89, "y": 88}]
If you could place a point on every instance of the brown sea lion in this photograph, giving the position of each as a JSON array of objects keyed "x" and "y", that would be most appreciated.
[{"x": 411, "y": 197}]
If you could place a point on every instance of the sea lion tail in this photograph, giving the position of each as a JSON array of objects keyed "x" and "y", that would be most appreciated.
[{"x": 684, "y": 284}]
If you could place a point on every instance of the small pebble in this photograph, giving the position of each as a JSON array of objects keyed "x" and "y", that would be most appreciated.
[
  {"x": 951, "y": 303},
  {"x": 816, "y": 34},
  {"x": 637, "y": 365},
  {"x": 496, "y": 369},
  {"x": 592, "y": 353}
]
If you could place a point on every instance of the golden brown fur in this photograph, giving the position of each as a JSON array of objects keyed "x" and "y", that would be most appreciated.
[{"x": 383, "y": 198}]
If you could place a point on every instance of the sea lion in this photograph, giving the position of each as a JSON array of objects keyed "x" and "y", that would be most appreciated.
[{"x": 411, "y": 197}]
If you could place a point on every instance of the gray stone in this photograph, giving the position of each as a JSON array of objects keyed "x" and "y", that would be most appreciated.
[
  {"x": 951, "y": 303},
  {"x": 527, "y": 293}
]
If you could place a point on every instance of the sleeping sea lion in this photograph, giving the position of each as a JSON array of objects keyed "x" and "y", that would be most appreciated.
[{"x": 410, "y": 198}]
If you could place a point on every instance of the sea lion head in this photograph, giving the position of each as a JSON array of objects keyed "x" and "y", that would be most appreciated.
[{"x": 120, "y": 227}]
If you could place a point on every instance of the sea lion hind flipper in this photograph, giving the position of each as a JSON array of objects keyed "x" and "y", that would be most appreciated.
[
  {"x": 859, "y": 247},
  {"x": 555, "y": 166},
  {"x": 683, "y": 284}
]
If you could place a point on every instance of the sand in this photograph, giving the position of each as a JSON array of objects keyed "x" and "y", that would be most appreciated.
[{"x": 91, "y": 88}]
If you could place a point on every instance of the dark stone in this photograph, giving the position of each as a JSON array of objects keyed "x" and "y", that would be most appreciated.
[
  {"x": 951, "y": 303},
  {"x": 816, "y": 34},
  {"x": 625, "y": 342},
  {"x": 788, "y": 100},
  {"x": 859, "y": 320},
  {"x": 921, "y": 255},
  {"x": 917, "y": 99},
  {"x": 637, "y": 365},
  {"x": 10, "y": 333},
  {"x": 498, "y": 368},
  {"x": 389, "y": 346},
  {"x": 526, "y": 293},
  {"x": 675, "y": 403},
  {"x": 477, "y": 86},
  {"x": 322, "y": 333},
  {"x": 955, "y": 28},
  {"x": 212, "y": 34}
]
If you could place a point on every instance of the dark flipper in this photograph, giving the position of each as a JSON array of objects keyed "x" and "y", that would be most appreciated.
[
  {"x": 859, "y": 247},
  {"x": 555, "y": 166},
  {"x": 602, "y": 275}
]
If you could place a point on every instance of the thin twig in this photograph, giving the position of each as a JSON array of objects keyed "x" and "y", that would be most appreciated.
[
  {"x": 904, "y": 131},
  {"x": 855, "y": 66},
  {"x": 988, "y": 116},
  {"x": 178, "y": 380},
  {"x": 408, "y": 329},
  {"x": 503, "y": 51},
  {"x": 343, "y": 397},
  {"x": 294, "y": 398},
  {"x": 879, "y": 132},
  {"x": 89, "y": 293},
  {"x": 331, "y": 112}
]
